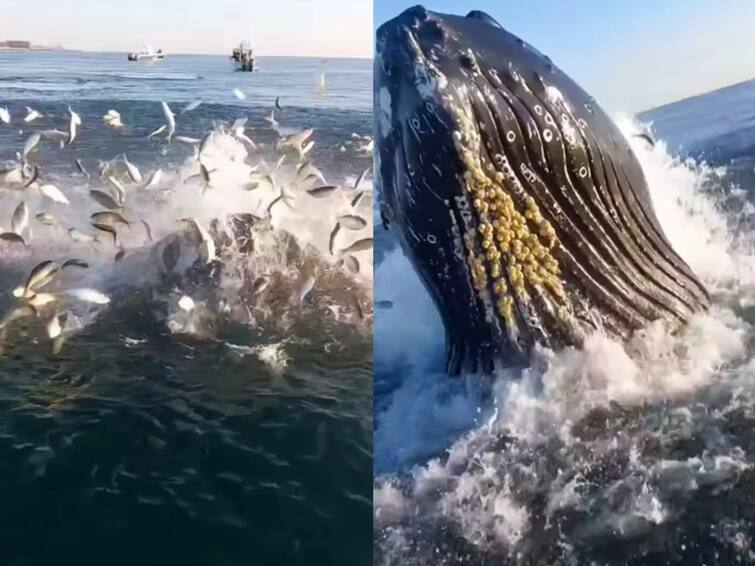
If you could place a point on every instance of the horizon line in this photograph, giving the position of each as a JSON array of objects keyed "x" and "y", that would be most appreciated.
[
  {"x": 696, "y": 95},
  {"x": 40, "y": 47}
]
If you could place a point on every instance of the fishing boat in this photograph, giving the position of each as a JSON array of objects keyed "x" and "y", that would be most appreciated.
[
  {"x": 243, "y": 56},
  {"x": 148, "y": 54}
]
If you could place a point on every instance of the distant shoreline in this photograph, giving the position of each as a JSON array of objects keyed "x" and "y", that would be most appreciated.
[{"x": 65, "y": 50}]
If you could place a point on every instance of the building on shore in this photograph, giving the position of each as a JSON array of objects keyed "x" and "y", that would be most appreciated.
[{"x": 15, "y": 44}]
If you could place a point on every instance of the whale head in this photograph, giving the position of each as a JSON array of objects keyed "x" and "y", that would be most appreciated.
[{"x": 517, "y": 200}]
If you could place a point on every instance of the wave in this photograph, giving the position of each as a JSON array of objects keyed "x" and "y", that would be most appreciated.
[
  {"x": 586, "y": 447},
  {"x": 144, "y": 76}
]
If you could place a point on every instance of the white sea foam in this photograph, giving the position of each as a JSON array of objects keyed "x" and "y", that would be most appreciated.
[{"x": 575, "y": 429}]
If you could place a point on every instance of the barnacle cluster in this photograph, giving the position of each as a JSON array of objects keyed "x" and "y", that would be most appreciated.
[{"x": 512, "y": 237}]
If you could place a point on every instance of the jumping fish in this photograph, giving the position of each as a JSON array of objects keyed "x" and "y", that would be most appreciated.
[
  {"x": 157, "y": 132},
  {"x": 170, "y": 119},
  {"x": 12, "y": 238},
  {"x": 77, "y": 236},
  {"x": 104, "y": 199},
  {"x": 351, "y": 263},
  {"x": 259, "y": 285},
  {"x": 359, "y": 246},
  {"x": 154, "y": 179},
  {"x": 133, "y": 170},
  {"x": 31, "y": 143},
  {"x": 81, "y": 168},
  {"x": 352, "y": 222},
  {"x": 88, "y": 295},
  {"x": 46, "y": 218},
  {"x": 108, "y": 229},
  {"x": 191, "y": 106},
  {"x": 20, "y": 219},
  {"x": 323, "y": 191},
  {"x": 53, "y": 193},
  {"x": 73, "y": 126},
  {"x": 31, "y": 115},
  {"x": 75, "y": 262},
  {"x": 109, "y": 217}
]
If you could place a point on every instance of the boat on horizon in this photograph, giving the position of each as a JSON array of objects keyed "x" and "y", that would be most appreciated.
[
  {"x": 243, "y": 56},
  {"x": 148, "y": 54}
]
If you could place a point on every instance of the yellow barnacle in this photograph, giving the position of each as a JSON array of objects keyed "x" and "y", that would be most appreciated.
[
  {"x": 551, "y": 265},
  {"x": 505, "y": 307},
  {"x": 495, "y": 270},
  {"x": 555, "y": 286}
]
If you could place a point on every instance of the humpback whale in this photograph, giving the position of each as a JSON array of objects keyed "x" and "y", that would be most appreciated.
[{"x": 516, "y": 199}]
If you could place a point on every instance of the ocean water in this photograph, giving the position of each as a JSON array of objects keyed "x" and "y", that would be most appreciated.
[
  {"x": 590, "y": 456},
  {"x": 238, "y": 431}
]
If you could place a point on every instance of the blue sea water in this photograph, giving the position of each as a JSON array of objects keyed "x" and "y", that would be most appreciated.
[
  {"x": 137, "y": 445},
  {"x": 592, "y": 458}
]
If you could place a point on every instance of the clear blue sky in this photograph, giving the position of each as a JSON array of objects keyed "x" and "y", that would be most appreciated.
[
  {"x": 329, "y": 28},
  {"x": 630, "y": 55}
]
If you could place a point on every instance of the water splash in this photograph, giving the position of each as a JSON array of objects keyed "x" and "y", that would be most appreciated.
[{"x": 592, "y": 445}]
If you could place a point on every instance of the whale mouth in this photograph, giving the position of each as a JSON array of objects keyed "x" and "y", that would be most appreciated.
[{"x": 551, "y": 232}]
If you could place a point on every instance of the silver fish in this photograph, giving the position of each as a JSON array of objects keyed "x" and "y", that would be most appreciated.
[
  {"x": 259, "y": 285},
  {"x": 351, "y": 263},
  {"x": 361, "y": 177},
  {"x": 108, "y": 229},
  {"x": 323, "y": 191},
  {"x": 170, "y": 119},
  {"x": 109, "y": 217},
  {"x": 158, "y": 131},
  {"x": 359, "y": 246},
  {"x": 75, "y": 262},
  {"x": 357, "y": 199},
  {"x": 77, "y": 236},
  {"x": 120, "y": 189},
  {"x": 191, "y": 106},
  {"x": 148, "y": 230},
  {"x": 32, "y": 178},
  {"x": 352, "y": 222},
  {"x": 31, "y": 143},
  {"x": 104, "y": 199},
  {"x": 73, "y": 125},
  {"x": 133, "y": 170},
  {"x": 81, "y": 168},
  {"x": 20, "y": 219},
  {"x": 332, "y": 240},
  {"x": 12, "y": 238},
  {"x": 46, "y": 219},
  {"x": 41, "y": 275},
  {"x": 53, "y": 327},
  {"x": 154, "y": 179},
  {"x": 187, "y": 139}
]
